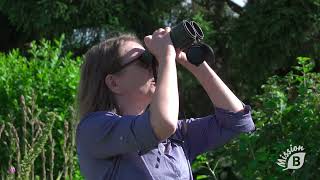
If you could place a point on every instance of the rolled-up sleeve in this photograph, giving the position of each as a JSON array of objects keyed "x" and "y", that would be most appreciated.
[
  {"x": 104, "y": 135},
  {"x": 207, "y": 133},
  {"x": 238, "y": 122}
]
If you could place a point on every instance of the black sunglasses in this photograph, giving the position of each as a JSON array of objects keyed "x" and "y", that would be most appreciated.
[{"x": 144, "y": 61}]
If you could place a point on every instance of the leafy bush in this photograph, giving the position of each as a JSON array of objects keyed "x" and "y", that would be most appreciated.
[
  {"x": 286, "y": 113},
  {"x": 48, "y": 80}
]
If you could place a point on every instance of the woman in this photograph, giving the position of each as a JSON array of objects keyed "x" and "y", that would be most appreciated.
[{"x": 129, "y": 125}]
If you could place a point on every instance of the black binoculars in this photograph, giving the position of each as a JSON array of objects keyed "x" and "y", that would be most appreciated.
[{"x": 186, "y": 36}]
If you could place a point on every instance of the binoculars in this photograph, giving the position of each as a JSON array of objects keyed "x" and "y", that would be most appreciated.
[{"x": 186, "y": 36}]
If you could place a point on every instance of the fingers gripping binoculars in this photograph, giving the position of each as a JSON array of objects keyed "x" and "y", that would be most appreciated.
[{"x": 187, "y": 37}]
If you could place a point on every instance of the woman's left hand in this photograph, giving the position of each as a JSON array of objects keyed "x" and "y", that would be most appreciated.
[{"x": 182, "y": 59}]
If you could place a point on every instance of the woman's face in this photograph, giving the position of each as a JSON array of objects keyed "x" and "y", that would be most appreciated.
[{"x": 135, "y": 80}]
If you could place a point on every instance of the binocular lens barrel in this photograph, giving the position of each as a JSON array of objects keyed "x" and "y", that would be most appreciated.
[
  {"x": 182, "y": 35},
  {"x": 198, "y": 30}
]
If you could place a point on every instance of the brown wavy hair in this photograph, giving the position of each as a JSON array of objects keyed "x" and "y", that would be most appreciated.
[{"x": 99, "y": 61}]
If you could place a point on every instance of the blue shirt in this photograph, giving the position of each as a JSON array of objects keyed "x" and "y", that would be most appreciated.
[{"x": 116, "y": 147}]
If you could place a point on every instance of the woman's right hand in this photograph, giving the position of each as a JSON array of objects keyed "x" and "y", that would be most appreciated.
[
  {"x": 164, "y": 107},
  {"x": 160, "y": 44}
]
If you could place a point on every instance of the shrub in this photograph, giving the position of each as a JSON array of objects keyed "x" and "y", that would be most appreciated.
[
  {"x": 286, "y": 113},
  {"x": 47, "y": 79}
]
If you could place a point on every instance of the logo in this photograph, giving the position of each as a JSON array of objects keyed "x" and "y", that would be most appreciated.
[{"x": 293, "y": 158}]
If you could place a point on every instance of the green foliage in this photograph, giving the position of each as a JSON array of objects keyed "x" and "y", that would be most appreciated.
[
  {"x": 50, "y": 75},
  {"x": 85, "y": 22},
  {"x": 44, "y": 70},
  {"x": 286, "y": 113},
  {"x": 268, "y": 36},
  {"x": 33, "y": 152}
]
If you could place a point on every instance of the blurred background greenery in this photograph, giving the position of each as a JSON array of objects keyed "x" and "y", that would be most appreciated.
[{"x": 266, "y": 51}]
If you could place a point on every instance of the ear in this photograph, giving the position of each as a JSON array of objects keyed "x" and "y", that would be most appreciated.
[{"x": 112, "y": 83}]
